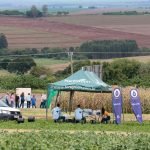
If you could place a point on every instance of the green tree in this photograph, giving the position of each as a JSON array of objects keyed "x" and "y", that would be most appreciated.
[
  {"x": 45, "y": 10},
  {"x": 4, "y": 63},
  {"x": 3, "y": 41},
  {"x": 21, "y": 65},
  {"x": 34, "y": 12},
  {"x": 40, "y": 71}
]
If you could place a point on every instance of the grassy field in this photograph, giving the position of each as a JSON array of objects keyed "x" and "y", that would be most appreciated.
[
  {"x": 48, "y": 62},
  {"x": 56, "y": 65}
]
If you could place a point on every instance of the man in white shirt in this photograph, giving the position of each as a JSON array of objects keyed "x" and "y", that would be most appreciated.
[
  {"x": 56, "y": 113},
  {"x": 28, "y": 98},
  {"x": 79, "y": 115}
]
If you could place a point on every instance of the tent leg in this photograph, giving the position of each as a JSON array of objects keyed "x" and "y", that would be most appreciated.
[{"x": 70, "y": 101}]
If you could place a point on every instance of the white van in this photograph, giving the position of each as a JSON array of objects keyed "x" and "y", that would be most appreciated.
[{"x": 7, "y": 112}]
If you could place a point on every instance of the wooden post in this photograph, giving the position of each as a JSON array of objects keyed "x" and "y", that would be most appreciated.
[{"x": 70, "y": 101}]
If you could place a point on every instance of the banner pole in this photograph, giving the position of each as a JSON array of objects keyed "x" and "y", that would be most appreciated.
[
  {"x": 122, "y": 104},
  {"x": 112, "y": 105}
]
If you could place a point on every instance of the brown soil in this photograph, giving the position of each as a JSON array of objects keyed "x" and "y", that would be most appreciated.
[{"x": 70, "y": 34}]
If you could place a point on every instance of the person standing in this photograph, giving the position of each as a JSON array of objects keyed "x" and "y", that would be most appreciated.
[
  {"x": 17, "y": 101},
  {"x": 43, "y": 101},
  {"x": 22, "y": 100},
  {"x": 33, "y": 101},
  {"x": 7, "y": 99},
  {"x": 28, "y": 100},
  {"x": 12, "y": 100}
]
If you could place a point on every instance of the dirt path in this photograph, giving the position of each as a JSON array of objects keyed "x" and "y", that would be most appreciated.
[{"x": 71, "y": 131}]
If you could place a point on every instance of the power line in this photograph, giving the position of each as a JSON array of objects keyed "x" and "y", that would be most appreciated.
[{"x": 57, "y": 53}]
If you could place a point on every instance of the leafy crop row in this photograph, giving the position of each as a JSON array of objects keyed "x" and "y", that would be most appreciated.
[{"x": 60, "y": 140}]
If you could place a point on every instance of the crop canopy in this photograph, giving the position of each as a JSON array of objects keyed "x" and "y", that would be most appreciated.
[{"x": 85, "y": 81}]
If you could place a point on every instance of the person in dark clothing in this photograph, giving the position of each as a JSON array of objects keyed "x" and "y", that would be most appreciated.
[
  {"x": 22, "y": 100},
  {"x": 17, "y": 101}
]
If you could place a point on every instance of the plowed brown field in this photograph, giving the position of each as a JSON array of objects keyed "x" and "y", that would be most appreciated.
[{"x": 66, "y": 32}]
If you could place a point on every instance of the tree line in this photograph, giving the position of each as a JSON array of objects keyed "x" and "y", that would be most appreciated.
[
  {"x": 33, "y": 12},
  {"x": 103, "y": 49},
  {"x": 126, "y": 13},
  {"x": 122, "y": 72}
]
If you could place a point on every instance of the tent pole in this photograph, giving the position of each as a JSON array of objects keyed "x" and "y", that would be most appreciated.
[
  {"x": 47, "y": 105},
  {"x": 57, "y": 98},
  {"x": 70, "y": 101}
]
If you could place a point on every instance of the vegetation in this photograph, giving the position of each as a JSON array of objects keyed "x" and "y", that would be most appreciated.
[
  {"x": 41, "y": 124},
  {"x": 20, "y": 65},
  {"x": 126, "y": 13},
  {"x": 45, "y": 134},
  {"x": 33, "y": 12},
  {"x": 61, "y": 13},
  {"x": 79, "y": 140},
  {"x": 11, "y": 12},
  {"x": 12, "y": 82},
  {"x": 3, "y": 41},
  {"x": 89, "y": 50},
  {"x": 109, "y": 49}
]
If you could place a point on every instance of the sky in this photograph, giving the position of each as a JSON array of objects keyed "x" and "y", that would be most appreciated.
[{"x": 60, "y": 2}]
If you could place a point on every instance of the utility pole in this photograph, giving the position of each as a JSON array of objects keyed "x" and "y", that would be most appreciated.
[{"x": 71, "y": 62}]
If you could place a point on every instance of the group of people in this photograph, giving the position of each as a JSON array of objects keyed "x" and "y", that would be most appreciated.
[
  {"x": 78, "y": 115},
  {"x": 18, "y": 101}
]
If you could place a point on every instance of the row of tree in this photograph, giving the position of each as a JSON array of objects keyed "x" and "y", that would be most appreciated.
[
  {"x": 34, "y": 12},
  {"x": 103, "y": 49}
]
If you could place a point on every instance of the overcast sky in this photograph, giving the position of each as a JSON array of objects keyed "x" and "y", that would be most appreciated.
[
  {"x": 60, "y": 1},
  {"x": 4, "y": 4}
]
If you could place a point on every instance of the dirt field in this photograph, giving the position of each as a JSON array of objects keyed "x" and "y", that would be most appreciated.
[{"x": 74, "y": 30}]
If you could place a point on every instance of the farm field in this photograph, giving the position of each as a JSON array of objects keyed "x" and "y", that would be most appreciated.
[
  {"x": 66, "y": 31},
  {"x": 44, "y": 134},
  {"x": 51, "y": 139},
  {"x": 52, "y": 64}
]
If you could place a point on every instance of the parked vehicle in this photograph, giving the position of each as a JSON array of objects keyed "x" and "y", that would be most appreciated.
[{"x": 8, "y": 113}]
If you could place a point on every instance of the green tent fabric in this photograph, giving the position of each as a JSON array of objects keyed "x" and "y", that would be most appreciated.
[
  {"x": 51, "y": 94},
  {"x": 85, "y": 81}
]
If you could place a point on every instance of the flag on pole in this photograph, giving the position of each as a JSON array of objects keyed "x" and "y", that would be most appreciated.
[
  {"x": 136, "y": 104},
  {"x": 117, "y": 104}
]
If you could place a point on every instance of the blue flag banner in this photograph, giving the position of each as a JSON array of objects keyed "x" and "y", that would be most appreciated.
[
  {"x": 136, "y": 105},
  {"x": 117, "y": 104}
]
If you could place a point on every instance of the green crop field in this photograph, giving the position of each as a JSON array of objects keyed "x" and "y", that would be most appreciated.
[
  {"x": 48, "y": 62},
  {"x": 45, "y": 135},
  {"x": 60, "y": 140}
]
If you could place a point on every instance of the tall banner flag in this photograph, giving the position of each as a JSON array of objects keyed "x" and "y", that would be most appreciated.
[
  {"x": 117, "y": 104},
  {"x": 136, "y": 104}
]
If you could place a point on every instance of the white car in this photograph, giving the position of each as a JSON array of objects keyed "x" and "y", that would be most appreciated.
[{"x": 7, "y": 112}]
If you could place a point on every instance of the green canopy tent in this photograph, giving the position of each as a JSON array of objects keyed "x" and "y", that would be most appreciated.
[{"x": 84, "y": 81}]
